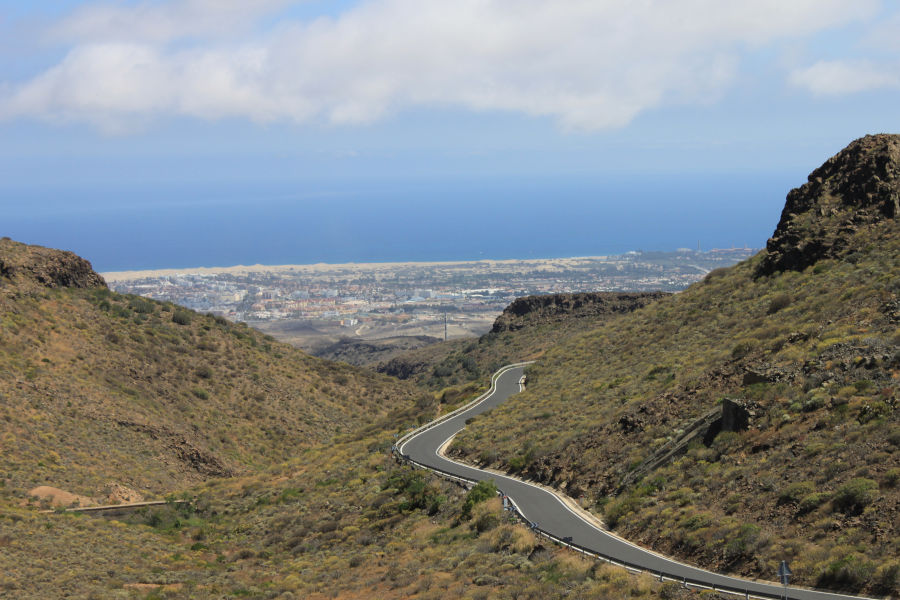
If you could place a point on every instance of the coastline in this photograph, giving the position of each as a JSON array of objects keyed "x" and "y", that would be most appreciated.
[{"x": 351, "y": 266}]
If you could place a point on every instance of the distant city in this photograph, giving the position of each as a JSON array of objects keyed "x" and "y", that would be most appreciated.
[{"x": 382, "y": 299}]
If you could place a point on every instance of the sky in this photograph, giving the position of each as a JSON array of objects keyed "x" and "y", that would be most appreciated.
[{"x": 114, "y": 109}]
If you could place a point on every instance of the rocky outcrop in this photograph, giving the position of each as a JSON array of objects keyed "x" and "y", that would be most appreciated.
[
  {"x": 858, "y": 186},
  {"x": 534, "y": 310},
  {"x": 23, "y": 266}
]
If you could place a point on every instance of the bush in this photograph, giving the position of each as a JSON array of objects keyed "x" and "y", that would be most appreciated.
[
  {"x": 794, "y": 492},
  {"x": 812, "y": 502},
  {"x": 486, "y": 522},
  {"x": 888, "y": 578},
  {"x": 743, "y": 543},
  {"x": 181, "y": 317},
  {"x": 778, "y": 302},
  {"x": 744, "y": 347},
  {"x": 204, "y": 372},
  {"x": 443, "y": 371},
  {"x": 852, "y": 497},
  {"x": 141, "y": 306},
  {"x": 892, "y": 478},
  {"x": 415, "y": 490},
  {"x": 716, "y": 274},
  {"x": 615, "y": 510},
  {"x": 850, "y": 571},
  {"x": 483, "y": 490}
]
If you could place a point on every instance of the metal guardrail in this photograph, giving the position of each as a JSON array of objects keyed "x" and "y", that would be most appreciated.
[
  {"x": 634, "y": 568},
  {"x": 114, "y": 507}
]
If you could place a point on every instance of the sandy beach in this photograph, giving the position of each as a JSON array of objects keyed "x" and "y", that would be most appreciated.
[{"x": 318, "y": 268}]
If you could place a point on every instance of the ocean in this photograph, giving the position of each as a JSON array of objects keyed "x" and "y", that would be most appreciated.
[{"x": 178, "y": 226}]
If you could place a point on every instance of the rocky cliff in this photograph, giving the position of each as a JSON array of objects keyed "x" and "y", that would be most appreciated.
[
  {"x": 858, "y": 186},
  {"x": 533, "y": 310},
  {"x": 23, "y": 266}
]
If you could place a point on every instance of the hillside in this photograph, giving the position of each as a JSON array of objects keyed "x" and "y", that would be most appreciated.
[
  {"x": 339, "y": 521},
  {"x": 284, "y": 459},
  {"x": 109, "y": 396},
  {"x": 364, "y": 353},
  {"x": 524, "y": 331},
  {"x": 802, "y": 462}
]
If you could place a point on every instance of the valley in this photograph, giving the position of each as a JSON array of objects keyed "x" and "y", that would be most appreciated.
[{"x": 747, "y": 420}]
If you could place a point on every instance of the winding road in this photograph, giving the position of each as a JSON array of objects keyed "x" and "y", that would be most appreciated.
[{"x": 553, "y": 517}]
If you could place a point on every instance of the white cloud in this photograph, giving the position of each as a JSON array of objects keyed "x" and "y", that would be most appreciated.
[
  {"x": 883, "y": 35},
  {"x": 162, "y": 21},
  {"x": 839, "y": 77},
  {"x": 589, "y": 64}
]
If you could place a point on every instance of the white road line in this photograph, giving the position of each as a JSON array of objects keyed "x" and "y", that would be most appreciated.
[{"x": 556, "y": 495}]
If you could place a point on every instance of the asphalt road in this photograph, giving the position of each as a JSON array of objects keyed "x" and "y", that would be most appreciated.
[{"x": 552, "y": 516}]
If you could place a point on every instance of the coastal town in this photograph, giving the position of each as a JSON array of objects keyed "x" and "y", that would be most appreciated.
[{"x": 414, "y": 298}]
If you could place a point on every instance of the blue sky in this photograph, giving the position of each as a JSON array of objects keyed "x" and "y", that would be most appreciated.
[{"x": 102, "y": 100}]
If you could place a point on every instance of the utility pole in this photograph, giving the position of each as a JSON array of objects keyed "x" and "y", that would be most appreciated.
[{"x": 445, "y": 325}]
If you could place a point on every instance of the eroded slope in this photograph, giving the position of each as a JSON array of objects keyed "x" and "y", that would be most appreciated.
[
  {"x": 812, "y": 354},
  {"x": 99, "y": 390}
]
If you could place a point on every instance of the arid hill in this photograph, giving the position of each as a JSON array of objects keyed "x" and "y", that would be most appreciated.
[
  {"x": 283, "y": 458},
  {"x": 524, "y": 331},
  {"x": 24, "y": 267},
  {"x": 856, "y": 188},
  {"x": 803, "y": 342},
  {"x": 102, "y": 390},
  {"x": 531, "y": 311}
]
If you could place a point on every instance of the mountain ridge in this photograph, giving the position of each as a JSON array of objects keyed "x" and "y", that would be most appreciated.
[
  {"x": 859, "y": 186},
  {"x": 805, "y": 336},
  {"x": 30, "y": 267}
]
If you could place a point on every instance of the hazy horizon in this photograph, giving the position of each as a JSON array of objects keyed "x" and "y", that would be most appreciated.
[
  {"x": 431, "y": 221},
  {"x": 182, "y": 132}
]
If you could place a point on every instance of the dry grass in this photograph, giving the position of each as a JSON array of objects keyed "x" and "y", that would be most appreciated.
[{"x": 816, "y": 354}]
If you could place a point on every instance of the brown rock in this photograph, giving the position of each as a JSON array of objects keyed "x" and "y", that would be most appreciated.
[
  {"x": 532, "y": 310},
  {"x": 25, "y": 267},
  {"x": 857, "y": 187}
]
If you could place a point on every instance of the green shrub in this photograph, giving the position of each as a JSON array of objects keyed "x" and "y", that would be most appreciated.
[
  {"x": 415, "y": 491},
  {"x": 778, "y": 302},
  {"x": 716, "y": 274},
  {"x": 744, "y": 543},
  {"x": 181, "y": 317},
  {"x": 794, "y": 492},
  {"x": 204, "y": 372},
  {"x": 855, "y": 495},
  {"x": 812, "y": 502},
  {"x": 615, "y": 510},
  {"x": 850, "y": 571},
  {"x": 892, "y": 477},
  {"x": 888, "y": 578},
  {"x": 483, "y": 490},
  {"x": 141, "y": 306},
  {"x": 486, "y": 522}
]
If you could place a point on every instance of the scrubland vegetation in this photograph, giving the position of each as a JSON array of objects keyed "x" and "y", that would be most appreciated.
[
  {"x": 524, "y": 331},
  {"x": 99, "y": 387},
  {"x": 343, "y": 521},
  {"x": 814, "y": 355},
  {"x": 283, "y": 459}
]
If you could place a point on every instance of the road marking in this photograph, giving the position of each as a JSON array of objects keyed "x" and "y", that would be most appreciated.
[{"x": 556, "y": 495}]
